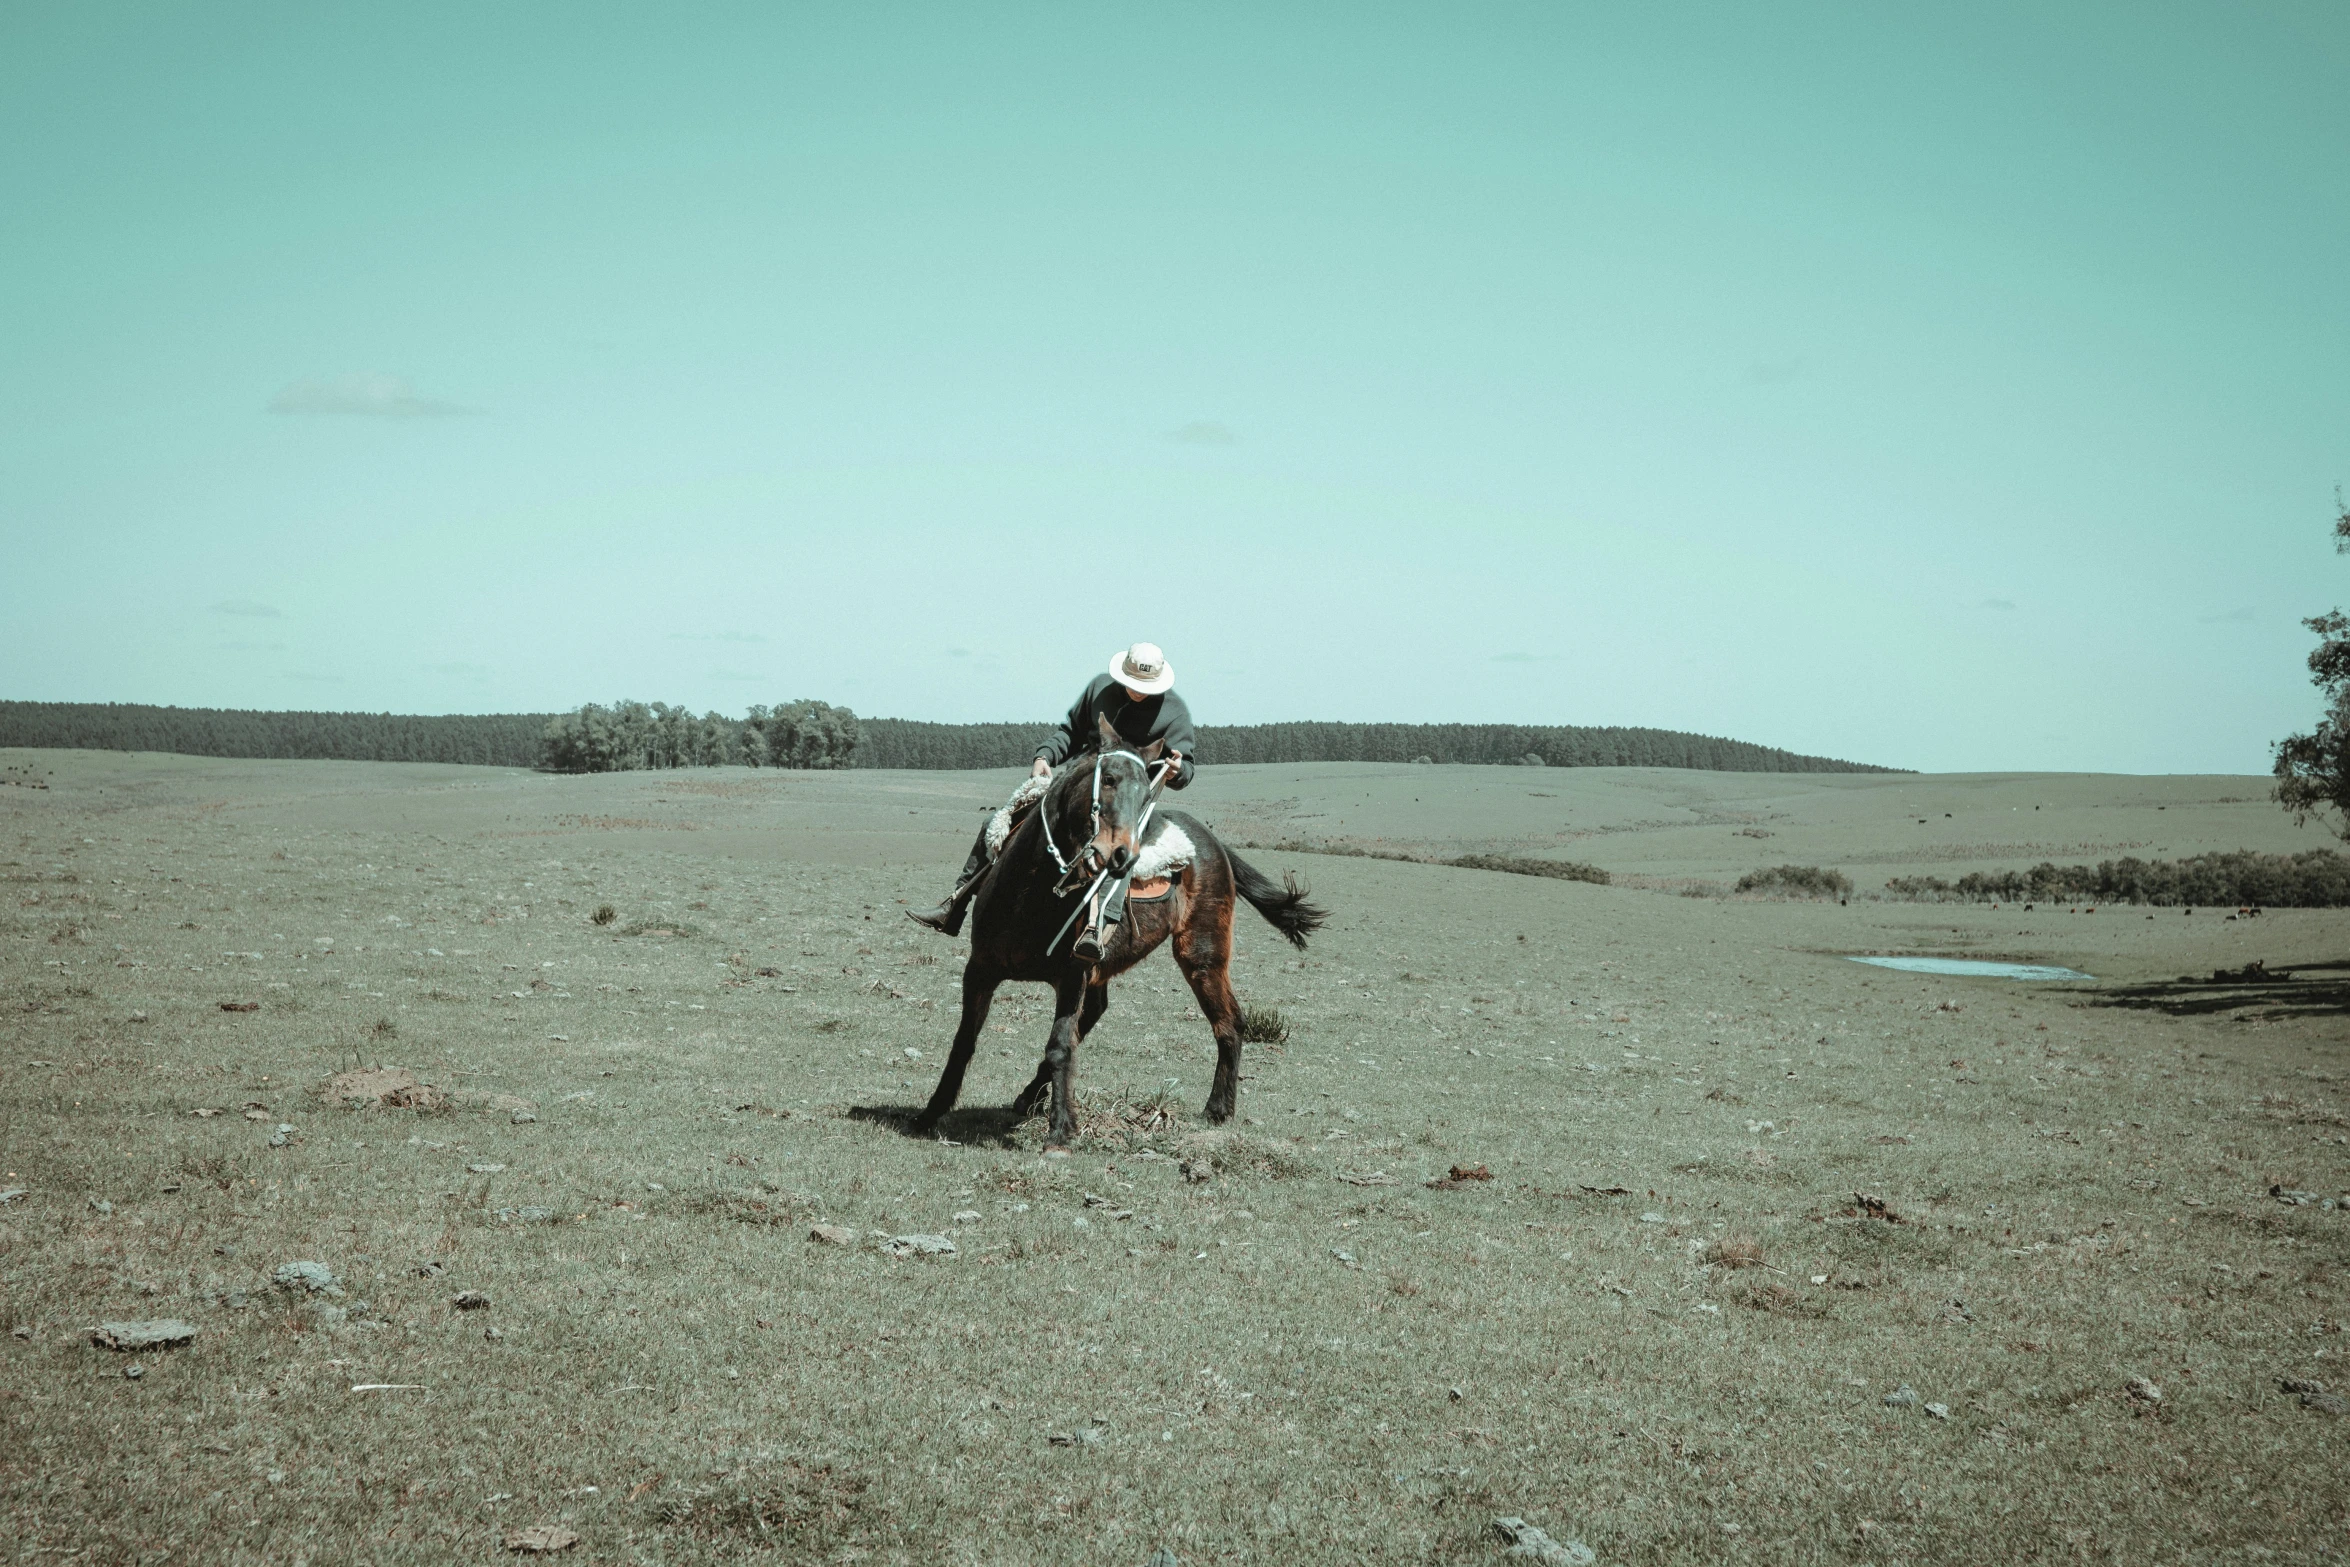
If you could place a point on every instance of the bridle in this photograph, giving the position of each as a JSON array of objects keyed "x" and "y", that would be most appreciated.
[{"x": 1088, "y": 861}]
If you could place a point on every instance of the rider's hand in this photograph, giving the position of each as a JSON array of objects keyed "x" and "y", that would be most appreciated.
[{"x": 1040, "y": 768}]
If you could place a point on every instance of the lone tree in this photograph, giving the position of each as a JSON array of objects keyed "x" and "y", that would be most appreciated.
[{"x": 2313, "y": 770}]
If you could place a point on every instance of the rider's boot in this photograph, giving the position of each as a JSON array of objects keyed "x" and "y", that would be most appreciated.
[
  {"x": 1100, "y": 920},
  {"x": 947, "y": 918}
]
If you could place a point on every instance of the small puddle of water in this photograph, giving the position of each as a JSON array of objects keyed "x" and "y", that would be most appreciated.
[{"x": 1976, "y": 968}]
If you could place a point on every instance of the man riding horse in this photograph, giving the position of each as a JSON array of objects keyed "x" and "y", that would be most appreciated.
[{"x": 1135, "y": 701}]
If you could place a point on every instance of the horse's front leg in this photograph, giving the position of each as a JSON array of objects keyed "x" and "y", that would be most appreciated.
[
  {"x": 979, "y": 987},
  {"x": 1060, "y": 1059},
  {"x": 1097, "y": 1001}
]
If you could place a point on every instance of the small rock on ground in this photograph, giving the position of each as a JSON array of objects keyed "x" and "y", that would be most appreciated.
[
  {"x": 832, "y": 1235},
  {"x": 1526, "y": 1540},
  {"x": 919, "y": 1246},
  {"x": 313, "y": 1277},
  {"x": 1901, "y": 1397},
  {"x": 471, "y": 1300},
  {"x": 152, "y": 1333}
]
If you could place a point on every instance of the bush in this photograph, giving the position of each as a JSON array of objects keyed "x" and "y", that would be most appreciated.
[
  {"x": 1559, "y": 870},
  {"x": 807, "y": 733},
  {"x": 2313, "y": 879},
  {"x": 1796, "y": 881}
]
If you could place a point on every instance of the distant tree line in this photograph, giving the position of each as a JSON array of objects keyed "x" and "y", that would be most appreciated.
[
  {"x": 631, "y": 735},
  {"x": 2313, "y": 879},
  {"x": 900, "y": 742},
  {"x": 481, "y": 740},
  {"x": 807, "y": 733}
]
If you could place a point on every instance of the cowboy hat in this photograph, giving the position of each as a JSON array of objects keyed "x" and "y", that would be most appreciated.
[{"x": 1143, "y": 668}]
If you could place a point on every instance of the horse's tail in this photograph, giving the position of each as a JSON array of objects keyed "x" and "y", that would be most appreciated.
[{"x": 1284, "y": 907}]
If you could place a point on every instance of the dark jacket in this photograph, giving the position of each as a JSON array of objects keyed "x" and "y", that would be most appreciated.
[{"x": 1161, "y": 717}]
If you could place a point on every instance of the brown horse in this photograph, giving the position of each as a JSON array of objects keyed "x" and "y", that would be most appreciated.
[{"x": 1102, "y": 808}]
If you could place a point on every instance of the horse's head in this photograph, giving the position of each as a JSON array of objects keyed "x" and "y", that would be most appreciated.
[{"x": 1101, "y": 799}]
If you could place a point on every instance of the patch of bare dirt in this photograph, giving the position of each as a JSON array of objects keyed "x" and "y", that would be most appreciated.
[{"x": 383, "y": 1087}]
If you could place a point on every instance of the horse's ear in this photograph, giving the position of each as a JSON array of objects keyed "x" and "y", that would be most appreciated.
[
  {"x": 1153, "y": 751},
  {"x": 1110, "y": 740}
]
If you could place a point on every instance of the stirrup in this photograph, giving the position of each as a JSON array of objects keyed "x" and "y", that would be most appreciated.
[{"x": 1089, "y": 945}]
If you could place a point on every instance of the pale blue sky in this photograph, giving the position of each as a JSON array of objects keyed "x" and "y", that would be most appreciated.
[{"x": 1957, "y": 387}]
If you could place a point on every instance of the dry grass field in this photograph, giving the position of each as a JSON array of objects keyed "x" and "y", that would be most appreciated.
[{"x": 1775, "y": 1257}]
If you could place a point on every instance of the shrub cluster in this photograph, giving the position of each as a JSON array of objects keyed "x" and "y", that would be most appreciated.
[
  {"x": 631, "y": 735},
  {"x": 1518, "y": 865},
  {"x": 2314, "y": 879},
  {"x": 1796, "y": 881}
]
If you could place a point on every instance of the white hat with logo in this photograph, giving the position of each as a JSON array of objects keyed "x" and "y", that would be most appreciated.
[{"x": 1143, "y": 668}]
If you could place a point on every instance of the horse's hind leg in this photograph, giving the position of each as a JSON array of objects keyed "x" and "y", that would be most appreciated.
[
  {"x": 1205, "y": 965},
  {"x": 979, "y": 987}
]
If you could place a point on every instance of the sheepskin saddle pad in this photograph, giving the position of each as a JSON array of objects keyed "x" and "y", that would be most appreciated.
[{"x": 1166, "y": 848}]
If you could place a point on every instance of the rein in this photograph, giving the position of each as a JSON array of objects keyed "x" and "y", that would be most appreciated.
[{"x": 1090, "y": 858}]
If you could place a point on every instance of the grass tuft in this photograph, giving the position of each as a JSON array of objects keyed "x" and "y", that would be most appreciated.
[
  {"x": 605, "y": 914},
  {"x": 807, "y": 1508},
  {"x": 1736, "y": 1251},
  {"x": 750, "y": 1207},
  {"x": 1262, "y": 1025},
  {"x": 660, "y": 928},
  {"x": 1240, "y": 1153}
]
